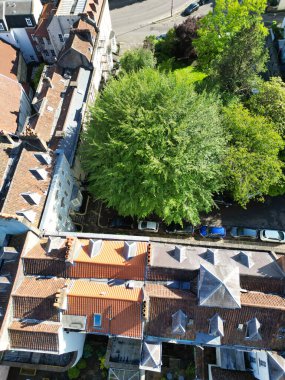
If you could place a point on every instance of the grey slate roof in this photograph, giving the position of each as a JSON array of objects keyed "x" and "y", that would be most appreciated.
[
  {"x": 18, "y": 7},
  {"x": 264, "y": 264},
  {"x": 219, "y": 286},
  {"x": 232, "y": 359},
  {"x": 151, "y": 356}
]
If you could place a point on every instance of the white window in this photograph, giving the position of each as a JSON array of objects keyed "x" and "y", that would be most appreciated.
[
  {"x": 2, "y": 26},
  {"x": 29, "y": 22},
  {"x": 97, "y": 320}
]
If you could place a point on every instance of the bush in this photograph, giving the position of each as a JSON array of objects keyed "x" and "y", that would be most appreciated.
[
  {"x": 73, "y": 373},
  {"x": 87, "y": 351},
  {"x": 37, "y": 75},
  {"x": 81, "y": 364},
  {"x": 137, "y": 59}
]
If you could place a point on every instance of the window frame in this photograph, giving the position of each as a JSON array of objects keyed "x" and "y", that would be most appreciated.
[
  {"x": 96, "y": 325},
  {"x": 29, "y": 21}
]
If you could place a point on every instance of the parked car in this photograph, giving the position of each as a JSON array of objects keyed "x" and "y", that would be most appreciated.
[
  {"x": 175, "y": 228},
  {"x": 275, "y": 236},
  {"x": 212, "y": 232},
  {"x": 122, "y": 223},
  {"x": 147, "y": 225},
  {"x": 190, "y": 9},
  {"x": 244, "y": 233}
]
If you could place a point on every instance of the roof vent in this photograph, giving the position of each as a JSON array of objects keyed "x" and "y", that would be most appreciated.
[
  {"x": 39, "y": 173},
  {"x": 94, "y": 247},
  {"x": 240, "y": 327},
  {"x": 28, "y": 214},
  {"x": 180, "y": 253},
  {"x": 4, "y": 283},
  {"x": 130, "y": 284},
  {"x": 54, "y": 242},
  {"x": 130, "y": 249},
  {"x": 43, "y": 158},
  {"x": 50, "y": 109},
  {"x": 32, "y": 198},
  {"x": 179, "y": 322},
  {"x": 216, "y": 326},
  {"x": 252, "y": 331},
  {"x": 246, "y": 259}
]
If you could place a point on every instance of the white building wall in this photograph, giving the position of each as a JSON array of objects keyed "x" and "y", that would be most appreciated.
[
  {"x": 71, "y": 341},
  {"x": 60, "y": 26},
  {"x": 25, "y": 110},
  {"x": 9, "y": 37},
  {"x": 258, "y": 362},
  {"x": 37, "y": 9},
  {"x": 56, "y": 213},
  {"x": 24, "y": 43}
]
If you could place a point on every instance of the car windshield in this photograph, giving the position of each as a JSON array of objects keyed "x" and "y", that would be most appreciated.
[
  {"x": 144, "y": 224},
  {"x": 274, "y": 235}
]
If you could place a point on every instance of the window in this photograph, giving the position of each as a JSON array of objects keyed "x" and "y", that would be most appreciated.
[
  {"x": 262, "y": 363},
  {"x": 48, "y": 41},
  {"x": 52, "y": 53},
  {"x": 41, "y": 40},
  {"x": 46, "y": 52},
  {"x": 68, "y": 182},
  {"x": 29, "y": 22},
  {"x": 97, "y": 320},
  {"x": 2, "y": 26},
  {"x": 60, "y": 38}
]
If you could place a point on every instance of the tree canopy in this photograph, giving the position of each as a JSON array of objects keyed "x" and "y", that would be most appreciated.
[
  {"x": 236, "y": 71},
  {"x": 269, "y": 101},
  {"x": 252, "y": 165},
  {"x": 136, "y": 59},
  {"x": 217, "y": 29},
  {"x": 185, "y": 33},
  {"x": 153, "y": 145}
]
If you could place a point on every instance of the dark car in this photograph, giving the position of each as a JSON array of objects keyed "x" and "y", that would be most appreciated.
[
  {"x": 244, "y": 233},
  {"x": 122, "y": 223},
  {"x": 190, "y": 9},
  {"x": 212, "y": 232},
  {"x": 175, "y": 228}
]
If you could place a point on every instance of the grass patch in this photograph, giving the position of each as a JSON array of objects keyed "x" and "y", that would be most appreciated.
[{"x": 189, "y": 74}]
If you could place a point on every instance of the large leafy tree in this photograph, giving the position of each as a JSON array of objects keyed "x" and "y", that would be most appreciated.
[
  {"x": 136, "y": 59},
  {"x": 236, "y": 71},
  {"x": 154, "y": 145},
  {"x": 217, "y": 29},
  {"x": 185, "y": 33},
  {"x": 252, "y": 165},
  {"x": 269, "y": 101}
]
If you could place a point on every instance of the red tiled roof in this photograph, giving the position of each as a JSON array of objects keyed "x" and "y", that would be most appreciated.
[
  {"x": 258, "y": 299},
  {"x": 31, "y": 336},
  {"x": 23, "y": 182},
  {"x": 161, "y": 310},
  {"x": 109, "y": 263},
  {"x": 41, "y": 29},
  {"x": 120, "y": 308},
  {"x": 11, "y": 90},
  {"x": 35, "y": 297}
]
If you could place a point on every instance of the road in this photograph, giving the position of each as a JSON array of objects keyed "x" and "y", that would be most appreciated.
[{"x": 134, "y": 20}]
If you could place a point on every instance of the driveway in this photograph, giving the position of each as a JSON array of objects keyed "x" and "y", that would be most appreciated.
[{"x": 270, "y": 214}]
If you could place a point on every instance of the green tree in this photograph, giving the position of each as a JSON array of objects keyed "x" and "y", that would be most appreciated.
[
  {"x": 236, "y": 72},
  {"x": 154, "y": 145},
  {"x": 217, "y": 29},
  {"x": 252, "y": 165},
  {"x": 269, "y": 101},
  {"x": 136, "y": 59}
]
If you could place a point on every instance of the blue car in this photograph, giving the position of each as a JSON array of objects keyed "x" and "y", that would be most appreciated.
[{"x": 212, "y": 232}]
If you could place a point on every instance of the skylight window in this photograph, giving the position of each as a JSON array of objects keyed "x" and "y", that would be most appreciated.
[{"x": 97, "y": 320}]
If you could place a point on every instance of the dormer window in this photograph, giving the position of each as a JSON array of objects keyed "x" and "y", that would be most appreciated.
[
  {"x": 216, "y": 326},
  {"x": 43, "y": 158},
  {"x": 39, "y": 173},
  {"x": 179, "y": 320},
  {"x": 32, "y": 198},
  {"x": 28, "y": 214},
  {"x": 2, "y": 26},
  {"x": 252, "y": 330}
]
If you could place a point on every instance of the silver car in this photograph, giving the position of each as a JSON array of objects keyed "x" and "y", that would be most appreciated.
[
  {"x": 146, "y": 225},
  {"x": 274, "y": 236}
]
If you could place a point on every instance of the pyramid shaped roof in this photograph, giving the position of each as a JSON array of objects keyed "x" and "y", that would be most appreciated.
[
  {"x": 276, "y": 366},
  {"x": 219, "y": 286},
  {"x": 151, "y": 356}
]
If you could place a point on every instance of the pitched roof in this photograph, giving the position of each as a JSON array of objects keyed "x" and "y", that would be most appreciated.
[
  {"x": 10, "y": 88},
  {"x": 108, "y": 263},
  {"x": 219, "y": 286},
  {"x": 259, "y": 299},
  {"x": 44, "y": 20},
  {"x": 25, "y": 181},
  {"x": 151, "y": 356},
  {"x": 161, "y": 309},
  {"x": 34, "y": 336},
  {"x": 276, "y": 366},
  {"x": 120, "y": 308}
]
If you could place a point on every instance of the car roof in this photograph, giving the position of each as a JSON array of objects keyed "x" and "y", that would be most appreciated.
[
  {"x": 249, "y": 231},
  {"x": 272, "y": 234},
  {"x": 216, "y": 230}
]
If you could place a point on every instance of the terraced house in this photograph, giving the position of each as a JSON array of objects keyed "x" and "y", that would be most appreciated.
[{"x": 143, "y": 295}]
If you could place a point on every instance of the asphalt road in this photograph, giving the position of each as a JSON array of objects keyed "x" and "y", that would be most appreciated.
[{"x": 134, "y": 20}]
